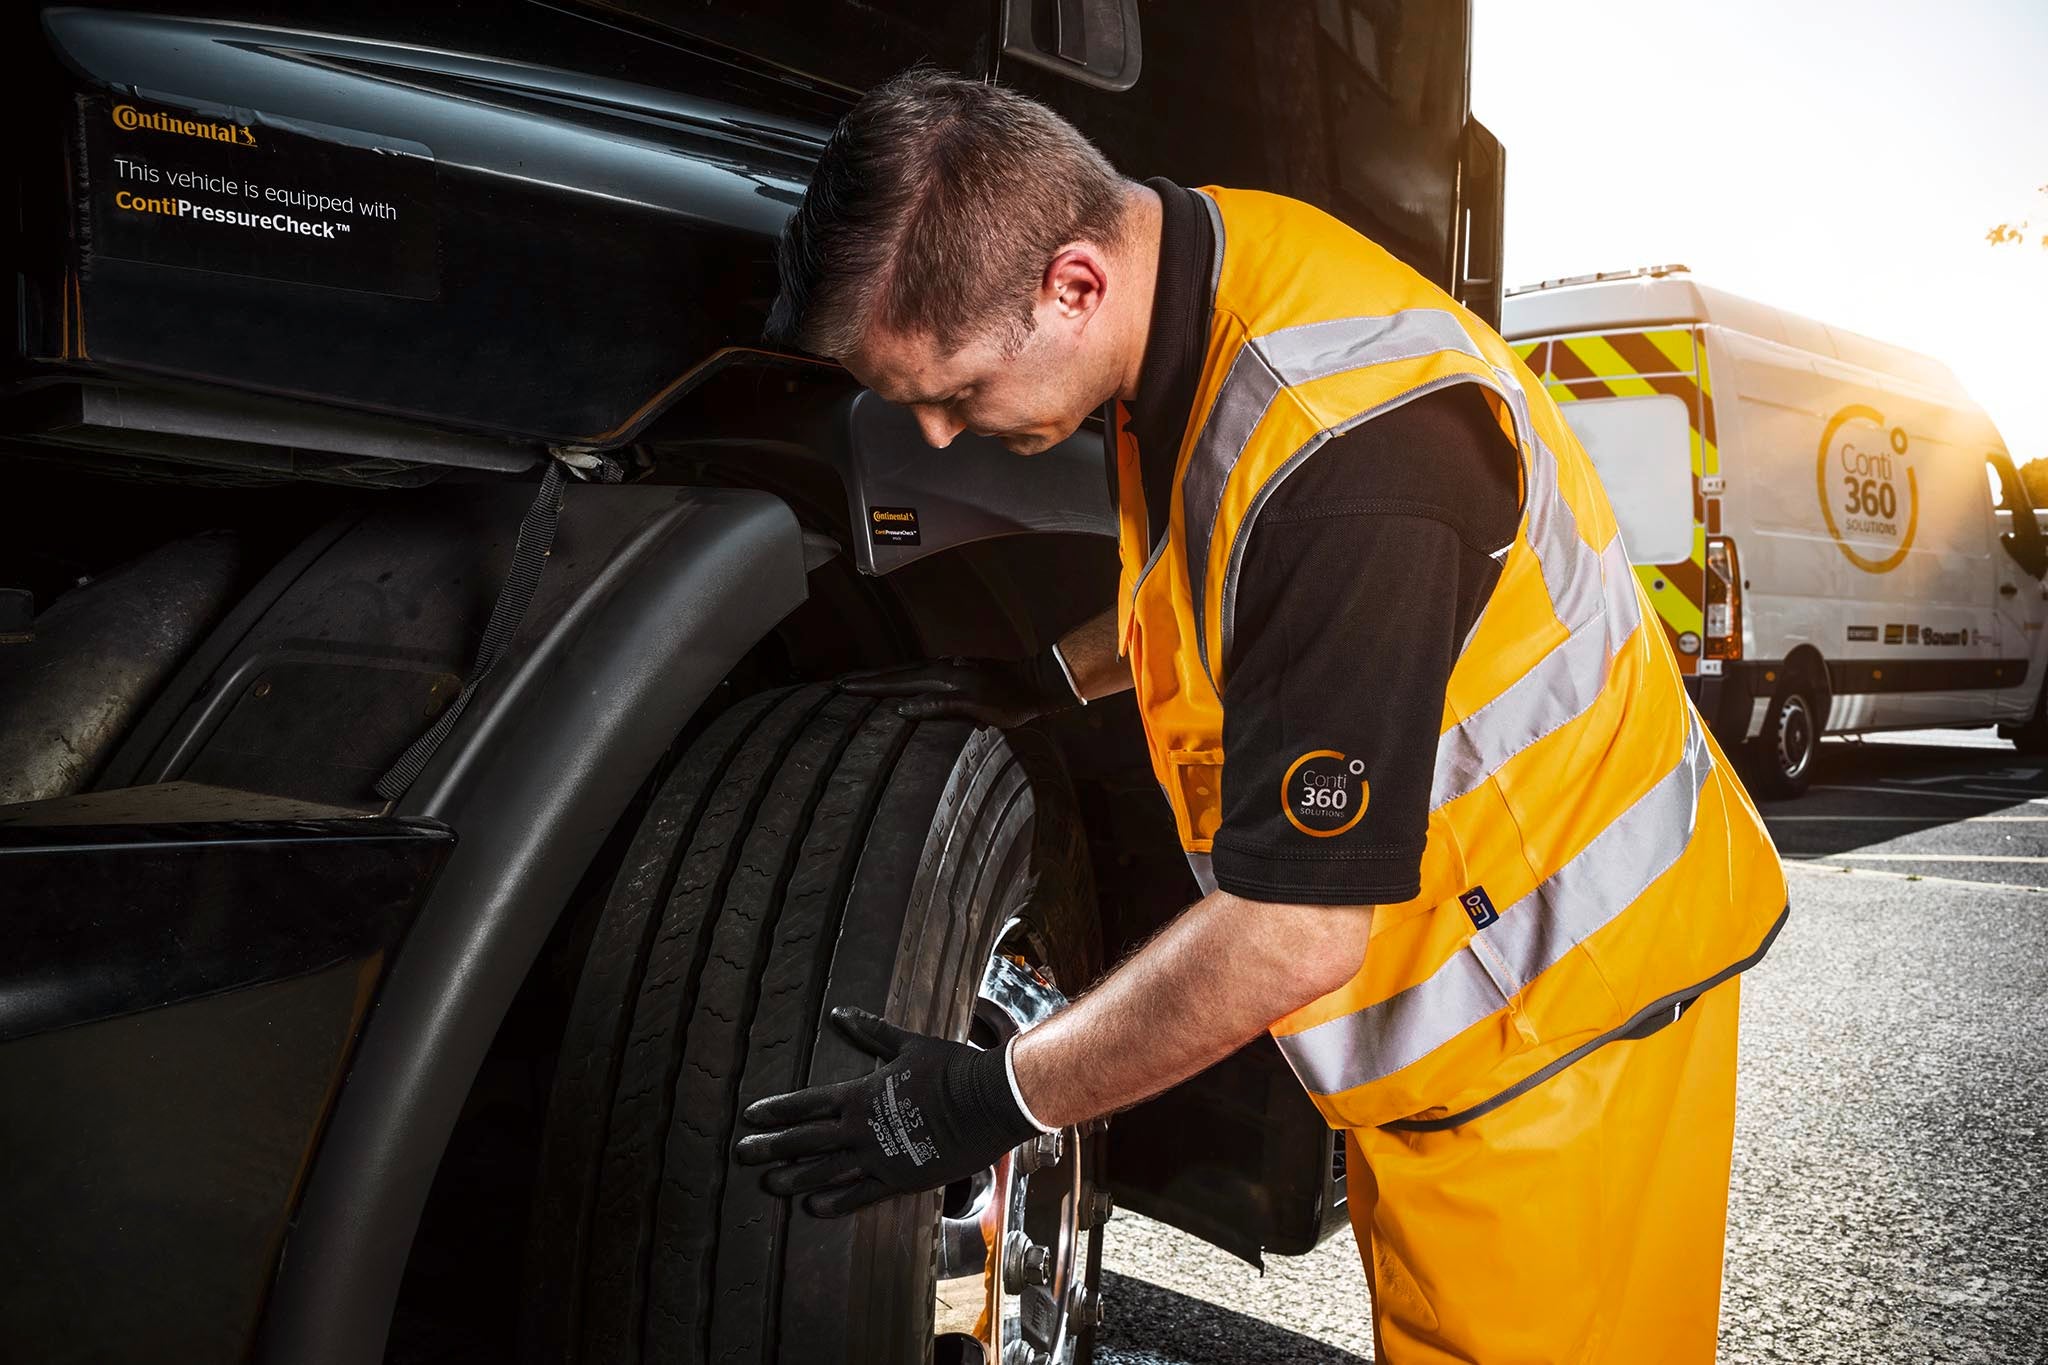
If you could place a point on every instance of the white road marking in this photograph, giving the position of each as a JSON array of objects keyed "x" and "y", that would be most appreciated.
[
  {"x": 1894, "y": 791},
  {"x": 1940, "y": 857},
  {"x": 1917, "y": 819},
  {"x": 1813, "y": 867}
]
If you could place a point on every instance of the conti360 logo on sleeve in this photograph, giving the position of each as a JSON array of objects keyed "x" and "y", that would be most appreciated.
[
  {"x": 128, "y": 119},
  {"x": 1324, "y": 793}
]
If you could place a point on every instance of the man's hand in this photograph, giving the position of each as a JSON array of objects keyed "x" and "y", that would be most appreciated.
[
  {"x": 1000, "y": 692},
  {"x": 933, "y": 1112}
]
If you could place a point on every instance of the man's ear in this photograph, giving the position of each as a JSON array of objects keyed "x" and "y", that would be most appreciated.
[{"x": 1075, "y": 283}]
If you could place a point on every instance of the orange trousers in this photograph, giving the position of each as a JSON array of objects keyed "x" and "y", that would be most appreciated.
[{"x": 1580, "y": 1222}]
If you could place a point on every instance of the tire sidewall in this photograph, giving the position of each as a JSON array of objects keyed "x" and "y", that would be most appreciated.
[
  {"x": 1788, "y": 748},
  {"x": 1004, "y": 846},
  {"x": 2031, "y": 737}
]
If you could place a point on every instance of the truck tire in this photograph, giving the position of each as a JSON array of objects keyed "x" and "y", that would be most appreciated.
[
  {"x": 1783, "y": 754},
  {"x": 810, "y": 849}
]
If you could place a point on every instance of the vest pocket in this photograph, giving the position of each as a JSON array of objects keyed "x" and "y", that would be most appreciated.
[{"x": 1194, "y": 789}]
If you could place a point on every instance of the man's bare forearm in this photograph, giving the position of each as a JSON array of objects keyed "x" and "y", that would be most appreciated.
[
  {"x": 1205, "y": 986},
  {"x": 1092, "y": 661}
]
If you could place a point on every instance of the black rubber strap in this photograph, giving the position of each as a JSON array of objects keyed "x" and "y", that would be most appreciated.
[{"x": 536, "y": 538}]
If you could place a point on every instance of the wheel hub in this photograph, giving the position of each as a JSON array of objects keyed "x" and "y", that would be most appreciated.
[
  {"x": 1014, "y": 1239},
  {"x": 1795, "y": 737}
]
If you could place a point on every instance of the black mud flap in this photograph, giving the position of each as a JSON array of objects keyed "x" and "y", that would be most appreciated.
[{"x": 1238, "y": 1156}]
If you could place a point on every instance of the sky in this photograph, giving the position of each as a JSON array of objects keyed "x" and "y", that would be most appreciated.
[{"x": 1844, "y": 159}]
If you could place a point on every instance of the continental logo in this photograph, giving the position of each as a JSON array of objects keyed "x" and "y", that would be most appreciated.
[
  {"x": 893, "y": 526},
  {"x": 129, "y": 119}
]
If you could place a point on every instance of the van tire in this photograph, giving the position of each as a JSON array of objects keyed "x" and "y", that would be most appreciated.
[
  {"x": 1783, "y": 755},
  {"x": 811, "y": 849},
  {"x": 2032, "y": 736}
]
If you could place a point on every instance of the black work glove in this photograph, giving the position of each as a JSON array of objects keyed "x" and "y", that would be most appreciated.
[
  {"x": 933, "y": 1112},
  {"x": 1000, "y": 692}
]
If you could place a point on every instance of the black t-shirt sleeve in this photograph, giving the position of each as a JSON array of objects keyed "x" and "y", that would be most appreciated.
[{"x": 1365, "y": 572}]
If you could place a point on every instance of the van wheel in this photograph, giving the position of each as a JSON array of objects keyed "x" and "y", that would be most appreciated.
[
  {"x": 1783, "y": 755},
  {"x": 810, "y": 850},
  {"x": 2031, "y": 737}
]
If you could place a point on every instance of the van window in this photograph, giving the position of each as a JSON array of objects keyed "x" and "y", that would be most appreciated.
[{"x": 1643, "y": 450}]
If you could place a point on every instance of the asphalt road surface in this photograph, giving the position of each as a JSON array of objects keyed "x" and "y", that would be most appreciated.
[{"x": 1890, "y": 1194}]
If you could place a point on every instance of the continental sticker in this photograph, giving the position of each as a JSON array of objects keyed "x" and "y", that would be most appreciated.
[
  {"x": 239, "y": 194},
  {"x": 893, "y": 526},
  {"x": 1324, "y": 793},
  {"x": 1869, "y": 497}
]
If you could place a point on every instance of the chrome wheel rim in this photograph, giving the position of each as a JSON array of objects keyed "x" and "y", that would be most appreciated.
[{"x": 1013, "y": 1239}]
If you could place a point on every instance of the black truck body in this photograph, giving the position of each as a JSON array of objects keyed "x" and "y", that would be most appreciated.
[{"x": 306, "y": 299}]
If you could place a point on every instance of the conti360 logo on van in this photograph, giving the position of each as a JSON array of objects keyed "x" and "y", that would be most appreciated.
[{"x": 1868, "y": 494}]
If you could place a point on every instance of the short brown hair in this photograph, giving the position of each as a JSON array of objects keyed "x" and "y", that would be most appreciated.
[{"x": 935, "y": 209}]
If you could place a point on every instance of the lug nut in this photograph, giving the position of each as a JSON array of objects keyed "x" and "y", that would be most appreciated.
[
  {"x": 1025, "y": 1261},
  {"x": 1023, "y": 1353},
  {"x": 1084, "y": 1307},
  {"x": 1096, "y": 1211},
  {"x": 1039, "y": 1153}
]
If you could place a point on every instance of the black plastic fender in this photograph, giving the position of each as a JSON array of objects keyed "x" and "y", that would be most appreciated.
[
  {"x": 903, "y": 500},
  {"x": 542, "y": 765}
]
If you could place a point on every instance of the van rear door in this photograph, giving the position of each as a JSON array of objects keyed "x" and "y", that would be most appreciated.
[{"x": 1633, "y": 398}]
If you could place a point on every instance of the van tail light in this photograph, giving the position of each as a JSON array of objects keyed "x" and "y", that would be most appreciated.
[{"x": 1723, "y": 630}]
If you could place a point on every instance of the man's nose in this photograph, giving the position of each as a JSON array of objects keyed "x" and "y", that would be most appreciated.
[{"x": 938, "y": 428}]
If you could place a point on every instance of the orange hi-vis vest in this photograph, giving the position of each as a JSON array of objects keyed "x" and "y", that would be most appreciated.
[{"x": 1592, "y": 863}]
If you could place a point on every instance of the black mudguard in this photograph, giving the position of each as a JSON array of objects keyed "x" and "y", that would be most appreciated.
[
  {"x": 282, "y": 935},
  {"x": 535, "y": 777}
]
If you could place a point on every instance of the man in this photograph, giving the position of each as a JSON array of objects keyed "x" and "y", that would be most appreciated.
[{"x": 1467, "y": 850}]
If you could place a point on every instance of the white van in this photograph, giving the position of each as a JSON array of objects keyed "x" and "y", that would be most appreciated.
[{"x": 1831, "y": 530}]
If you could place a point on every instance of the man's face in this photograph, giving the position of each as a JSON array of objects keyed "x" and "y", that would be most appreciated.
[{"x": 1030, "y": 401}]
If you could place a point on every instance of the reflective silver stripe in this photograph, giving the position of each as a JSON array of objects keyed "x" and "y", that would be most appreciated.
[
  {"x": 1216, "y": 245},
  {"x": 1561, "y": 552},
  {"x": 1591, "y": 593},
  {"x": 1204, "y": 868},
  {"x": 1234, "y": 563},
  {"x": 1310, "y": 351},
  {"x": 1262, "y": 368},
  {"x": 1600, "y": 882},
  {"x": 1561, "y": 686},
  {"x": 1248, "y": 390}
]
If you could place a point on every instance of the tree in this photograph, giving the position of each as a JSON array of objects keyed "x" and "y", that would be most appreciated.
[
  {"x": 2034, "y": 478},
  {"x": 2018, "y": 234}
]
